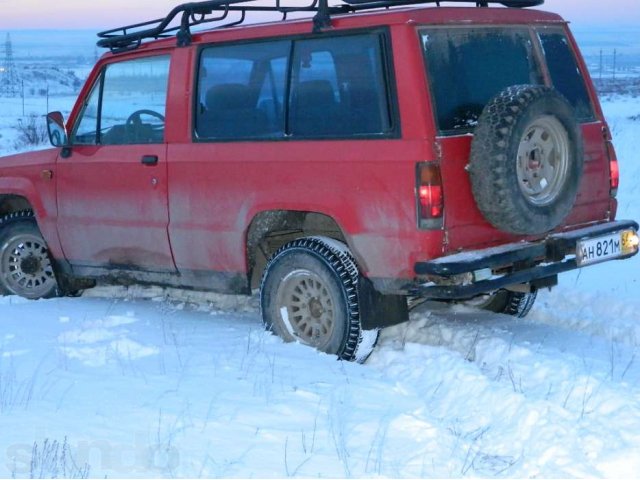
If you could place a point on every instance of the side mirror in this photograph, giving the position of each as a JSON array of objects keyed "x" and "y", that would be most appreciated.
[{"x": 57, "y": 130}]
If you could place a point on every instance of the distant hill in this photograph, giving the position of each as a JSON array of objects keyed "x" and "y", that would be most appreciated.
[
  {"x": 41, "y": 80},
  {"x": 59, "y": 81},
  {"x": 44, "y": 45}
]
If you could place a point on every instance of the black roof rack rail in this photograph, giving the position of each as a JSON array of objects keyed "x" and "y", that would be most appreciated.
[{"x": 192, "y": 14}]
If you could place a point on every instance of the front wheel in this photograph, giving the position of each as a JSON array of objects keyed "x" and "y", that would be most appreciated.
[
  {"x": 25, "y": 265},
  {"x": 310, "y": 294}
]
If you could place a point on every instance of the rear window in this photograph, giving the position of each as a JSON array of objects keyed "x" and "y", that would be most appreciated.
[
  {"x": 468, "y": 66},
  {"x": 564, "y": 71}
]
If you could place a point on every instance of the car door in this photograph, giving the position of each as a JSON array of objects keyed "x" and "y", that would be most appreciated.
[{"x": 112, "y": 188}]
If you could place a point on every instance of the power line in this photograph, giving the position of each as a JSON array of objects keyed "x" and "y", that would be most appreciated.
[{"x": 9, "y": 81}]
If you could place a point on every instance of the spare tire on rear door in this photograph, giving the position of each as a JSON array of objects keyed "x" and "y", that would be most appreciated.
[{"x": 526, "y": 160}]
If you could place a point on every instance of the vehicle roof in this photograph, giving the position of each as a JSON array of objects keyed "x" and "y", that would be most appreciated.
[{"x": 377, "y": 18}]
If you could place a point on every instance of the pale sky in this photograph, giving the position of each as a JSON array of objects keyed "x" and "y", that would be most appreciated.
[{"x": 103, "y": 14}]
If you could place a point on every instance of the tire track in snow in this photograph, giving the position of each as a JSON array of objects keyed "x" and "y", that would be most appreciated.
[
  {"x": 598, "y": 314},
  {"x": 521, "y": 385}
]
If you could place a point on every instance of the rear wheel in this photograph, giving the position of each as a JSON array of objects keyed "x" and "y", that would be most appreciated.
[
  {"x": 25, "y": 266},
  {"x": 310, "y": 294},
  {"x": 517, "y": 304}
]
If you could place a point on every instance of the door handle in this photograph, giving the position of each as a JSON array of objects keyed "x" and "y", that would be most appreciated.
[{"x": 149, "y": 160}]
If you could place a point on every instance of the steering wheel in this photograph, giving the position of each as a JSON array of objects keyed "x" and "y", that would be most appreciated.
[
  {"x": 136, "y": 131},
  {"x": 136, "y": 117}
]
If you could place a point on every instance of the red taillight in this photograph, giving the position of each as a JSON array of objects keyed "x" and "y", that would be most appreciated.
[
  {"x": 614, "y": 170},
  {"x": 431, "y": 201},
  {"x": 430, "y": 195}
]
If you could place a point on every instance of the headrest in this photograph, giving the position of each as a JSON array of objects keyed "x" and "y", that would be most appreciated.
[{"x": 229, "y": 96}]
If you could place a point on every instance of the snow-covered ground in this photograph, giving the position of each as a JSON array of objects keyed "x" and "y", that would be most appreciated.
[
  {"x": 14, "y": 111},
  {"x": 146, "y": 382}
]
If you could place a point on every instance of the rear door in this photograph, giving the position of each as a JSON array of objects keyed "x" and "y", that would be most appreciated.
[
  {"x": 112, "y": 190},
  {"x": 466, "y": 67}
]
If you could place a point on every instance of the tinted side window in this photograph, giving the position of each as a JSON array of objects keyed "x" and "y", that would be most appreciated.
[
  {"x": 468, "y": 66},
  {"x": 565, "y": 74},
  {"x": 131, "y": 99},
  {"x": 241, "y": 91},
  {"x": 339, "y": 87}
]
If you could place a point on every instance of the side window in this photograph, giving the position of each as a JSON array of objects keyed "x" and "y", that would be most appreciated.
[
  {"x": 468, "y": 66},
  {"x": 339, "y": 87},
  {"x": 564, "y": 71},
  {"x": 241, "y": 91},
  {"x": 127, "y": 105}
]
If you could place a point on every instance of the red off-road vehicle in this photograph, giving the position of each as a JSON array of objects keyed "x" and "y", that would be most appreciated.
[{"x": 343, "y": 163}]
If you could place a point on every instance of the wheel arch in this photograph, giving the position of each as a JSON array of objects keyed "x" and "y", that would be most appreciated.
[
  {"x": 19, "y": 194},
  {"x": 12, "y": 203},
  {"x": 271, "y": 229}
]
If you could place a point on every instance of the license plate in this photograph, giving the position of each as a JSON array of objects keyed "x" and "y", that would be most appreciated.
[{"x": 603, "y": 248}]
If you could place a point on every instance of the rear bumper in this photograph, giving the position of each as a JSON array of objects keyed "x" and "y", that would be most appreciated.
[{"x": 536, "y": 263}]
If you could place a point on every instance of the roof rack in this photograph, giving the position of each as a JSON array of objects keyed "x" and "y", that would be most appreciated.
[{"x": 130, "y": 37}]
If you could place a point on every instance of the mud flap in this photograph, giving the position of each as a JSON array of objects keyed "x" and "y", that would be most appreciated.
[{"x": 378, "y": 310}]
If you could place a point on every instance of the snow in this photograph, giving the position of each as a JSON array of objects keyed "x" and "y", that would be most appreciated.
[
  {"x": 195, "y": 387},
  {"x": 475, "y": 255},
  {"x": 144, "y": 381},
  {"x": 11, "y": 113}
]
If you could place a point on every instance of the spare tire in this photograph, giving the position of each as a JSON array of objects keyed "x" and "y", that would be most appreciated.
[{"x": 526, "y": 160}]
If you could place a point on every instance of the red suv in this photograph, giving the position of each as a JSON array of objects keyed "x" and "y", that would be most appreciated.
[{"x": 342, "y": 164}]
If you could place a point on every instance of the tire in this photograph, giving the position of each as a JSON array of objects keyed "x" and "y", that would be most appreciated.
[
  {"x": 310, "y": 294},
  {"x": 517, "y": 304},
  {"x": 25, "y": 265},
  {"x": 526, "y": 160}
]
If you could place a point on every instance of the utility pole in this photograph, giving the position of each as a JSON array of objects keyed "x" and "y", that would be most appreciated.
[
  {"x": 600, "y": 71},
  {"x": 9, "y": 83},
  {"x": 615, "y": 53}
]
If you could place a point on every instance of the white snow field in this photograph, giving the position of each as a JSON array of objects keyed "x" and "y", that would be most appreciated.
[{"x": 146, "y": 382}]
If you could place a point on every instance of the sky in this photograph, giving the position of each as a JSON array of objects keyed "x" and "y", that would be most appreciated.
[{"x": 104, "y": 14}]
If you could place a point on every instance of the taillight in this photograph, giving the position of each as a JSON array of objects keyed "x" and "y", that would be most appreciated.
[
  {"x": 430, "y": 196},
  {"x": 614, "y": 170}
]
